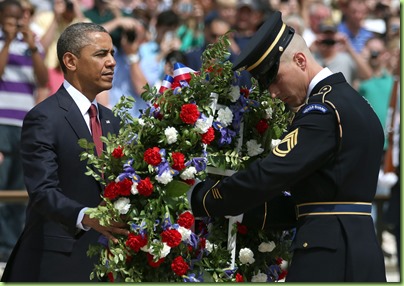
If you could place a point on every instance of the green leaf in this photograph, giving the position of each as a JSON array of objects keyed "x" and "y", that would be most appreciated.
[{"x": 176, "y": 188}]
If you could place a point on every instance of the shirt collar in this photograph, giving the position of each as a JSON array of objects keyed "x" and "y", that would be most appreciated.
[
  {"x": 325, "y": 72},
  {"x": 82, "y": 102}
]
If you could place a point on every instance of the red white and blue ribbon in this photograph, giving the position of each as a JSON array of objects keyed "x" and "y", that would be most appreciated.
[
  {"x": 182, "y": 72},
  {"x": 166, "y": 84},
  {"x": 181, "y": 75}
]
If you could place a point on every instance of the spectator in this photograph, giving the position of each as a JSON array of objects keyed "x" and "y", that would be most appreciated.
[
  {"x": 110, "y": 16},
  {"x": 377, "y": 89},
  {"x": 153, "y": 52},
  {"x": 333, "y": 50},
  {"x": 190, "y": 32},
  {"x": 51, "y": 24},
  {"x": 129, "y": 79},
  {"x": 354, "y": 13},
  {"x": 22, "y": 70},
  {"x": 314, "y": 13},
  {"x": 213, "y": 29}
]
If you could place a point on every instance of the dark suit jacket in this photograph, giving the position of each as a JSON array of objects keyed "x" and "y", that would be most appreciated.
[
  {"x": 316, "y": 163},
  {"x": 51, "y": 248}
]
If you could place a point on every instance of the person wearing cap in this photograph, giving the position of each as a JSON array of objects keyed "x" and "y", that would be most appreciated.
[
  {"x": 328, "y": 160},
  {"x": 332, "y": 49}
]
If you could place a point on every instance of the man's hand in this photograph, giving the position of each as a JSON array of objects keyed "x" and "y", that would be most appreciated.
[{"x": 107, "y": 231}]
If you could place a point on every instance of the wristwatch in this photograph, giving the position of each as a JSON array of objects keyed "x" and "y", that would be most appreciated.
[
  {"x": 133, "y": 58},
  {"x": 31, "y": 51}
]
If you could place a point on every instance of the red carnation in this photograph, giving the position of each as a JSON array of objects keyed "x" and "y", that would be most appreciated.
[
  {"x": 172, "y": 237},
  {"x": 110, "y": 277},
  {"x": 209, "y": 136},
  {"x": 241, "y": 228},
  {"x": 145, "y": 187},
  {"x": 152, "y": 263},
  {"x": 239, "y": 278},
  {"x": 262, "y": 126},
  {"x": 190, "y": 182},
  {"x": 111, "y": 191},
  {"x": 118, "y": 152},
  {"x": 202, "y": 243},
  {"x": 124, "y": 187},
  {"x": 152, "y": 156},
  {"x": 136, "y": 241},
  {"x": 189, "y": 113},
  {"x": 279, "y": 261},
  {"x": 186, "y": 219},
  {"x": 179, "y": 266},
  {"x": 245, "y": 92},
  {"x": 178, "y": 161},
  {"x": 283, "y": 274}
]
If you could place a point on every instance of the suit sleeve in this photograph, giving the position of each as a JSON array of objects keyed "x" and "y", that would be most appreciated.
[
  {"x": 310, "y": 142},
  {"x": 40, "y": 163}
]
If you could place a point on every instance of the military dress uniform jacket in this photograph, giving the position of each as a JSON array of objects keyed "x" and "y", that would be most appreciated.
[
  {"x": 331, "y": 153},
  {"x": 51, "y": 247}
]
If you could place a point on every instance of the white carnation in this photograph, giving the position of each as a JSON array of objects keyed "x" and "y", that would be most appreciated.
[
  {"x": 141, "y": 121},
  {"x": 171, "y": 135},
  {"x": 246, "y": 256},
  {"x": 209, "y": 246},
  {"x": 275, "y": 142},
  {"x": 185, "y": 233},
  {"x": 122, "y": 205},
  {"x": 234, "y": 93},
  {"x": 253, "y": 148},
  {"x": 134, "y": 190},
  {"x": 202, "y": 125},
  {"x": 260, "y": 277},
  {"x": 163, "y": 252},
  {"x": 266, "y": 246},
  {"x": 164, "y": 178},
  {"x": 269, "y": 111},
  {"x": 188, "y": 173},
  {"x": 225, "y": 116}
]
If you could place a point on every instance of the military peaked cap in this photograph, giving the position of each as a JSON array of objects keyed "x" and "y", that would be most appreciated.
[{"x": 264, "y": 49}]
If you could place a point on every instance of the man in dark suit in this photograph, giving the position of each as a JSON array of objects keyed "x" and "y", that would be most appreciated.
[
  {"x": 58, "y": 232},
  {"x": 328, "y": 160}
]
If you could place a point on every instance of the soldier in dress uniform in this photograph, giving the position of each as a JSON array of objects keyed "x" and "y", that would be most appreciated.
[{"x": 328, "y": 160}]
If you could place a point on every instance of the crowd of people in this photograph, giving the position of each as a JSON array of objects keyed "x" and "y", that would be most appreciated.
[{"x": 360, "y": 38}]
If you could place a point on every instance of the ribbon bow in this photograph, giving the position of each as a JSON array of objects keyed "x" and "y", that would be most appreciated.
[{"x": 182, "y": 76}]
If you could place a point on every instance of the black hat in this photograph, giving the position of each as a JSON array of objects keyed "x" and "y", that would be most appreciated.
[
  {"x": 328, "y": 25},
  {"x": 263, "y": 51}
]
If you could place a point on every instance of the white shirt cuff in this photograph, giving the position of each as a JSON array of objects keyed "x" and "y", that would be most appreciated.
[{"x": 80, "y": 219}]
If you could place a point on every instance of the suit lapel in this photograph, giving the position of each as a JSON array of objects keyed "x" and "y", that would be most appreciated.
[{"x": 106, "y": 121}]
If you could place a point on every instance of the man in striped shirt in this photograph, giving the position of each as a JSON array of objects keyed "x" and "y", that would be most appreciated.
[{"x": 22, "y": 69}]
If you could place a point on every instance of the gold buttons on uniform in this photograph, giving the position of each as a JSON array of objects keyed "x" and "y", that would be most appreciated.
[{"x": 305, "y": 244}]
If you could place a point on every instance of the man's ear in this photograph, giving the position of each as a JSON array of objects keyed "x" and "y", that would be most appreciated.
[
  {"x": 300, "y": 60},
  {"x": 70, "y": 61}
]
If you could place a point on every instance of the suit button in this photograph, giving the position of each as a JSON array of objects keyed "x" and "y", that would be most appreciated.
[{"x": 305, "y": 244}]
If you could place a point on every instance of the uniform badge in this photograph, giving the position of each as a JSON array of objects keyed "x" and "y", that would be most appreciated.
[
  {"x": 315, "y": 107},
  {"x": 287, "y": 144}
]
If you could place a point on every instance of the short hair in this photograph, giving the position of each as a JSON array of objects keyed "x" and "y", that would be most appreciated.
[
  {"x": 74, "y": 38},
  {"x": 168, "y": 18},
  {"x": 8, "y": 3}
]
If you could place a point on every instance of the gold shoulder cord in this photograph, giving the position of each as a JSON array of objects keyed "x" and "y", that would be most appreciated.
[
  {"x": 204, "y": 198},
  {"x": 323, "y": 91},
  {"x": 265, "y": 217}
]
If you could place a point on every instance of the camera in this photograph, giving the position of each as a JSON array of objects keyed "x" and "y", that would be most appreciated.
[
  {"x": 69, "y": 5},
  {"x": 328, "y": 42},
  {"x": 130, "y": 35}
]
